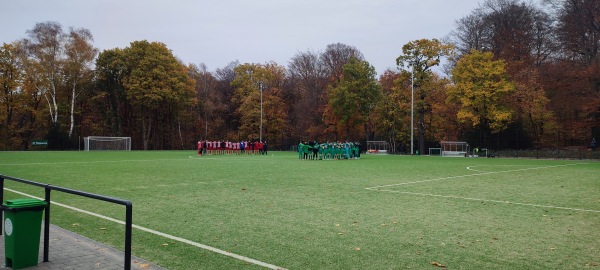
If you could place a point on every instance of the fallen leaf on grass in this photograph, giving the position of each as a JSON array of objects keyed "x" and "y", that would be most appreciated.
[
  {"x": 357, "y": 248},
  {"x": 437, "y": 264},
  {"x": 75, "y": 224},
  {"x": 165, "y": 244}
]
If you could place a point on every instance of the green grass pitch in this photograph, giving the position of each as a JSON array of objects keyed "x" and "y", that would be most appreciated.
[{"x": 379, "y": 212}]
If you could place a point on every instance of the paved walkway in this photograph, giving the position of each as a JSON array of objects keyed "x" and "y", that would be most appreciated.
[{"x": 69, "y": 251}]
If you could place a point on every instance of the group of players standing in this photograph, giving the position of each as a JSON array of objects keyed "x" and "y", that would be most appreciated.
[
  {"x": 328, "y": 150},
  {"x": 232, "y": 148}
]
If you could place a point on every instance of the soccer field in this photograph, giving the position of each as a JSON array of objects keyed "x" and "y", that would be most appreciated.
[{"x": 379, "y": 212}]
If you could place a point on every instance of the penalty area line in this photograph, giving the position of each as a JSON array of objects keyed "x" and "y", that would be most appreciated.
[{"x": 172, "y": 237}]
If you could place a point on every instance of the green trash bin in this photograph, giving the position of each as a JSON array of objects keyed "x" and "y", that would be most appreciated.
[{"x": 22, "y": 226}]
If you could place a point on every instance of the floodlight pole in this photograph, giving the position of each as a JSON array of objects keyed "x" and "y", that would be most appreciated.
[
  {"x": 261, "y": 110},
  {"x": 412, "y": 108}
]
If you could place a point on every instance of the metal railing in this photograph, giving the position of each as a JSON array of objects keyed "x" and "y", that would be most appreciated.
[{"x": 48, "y": 188}]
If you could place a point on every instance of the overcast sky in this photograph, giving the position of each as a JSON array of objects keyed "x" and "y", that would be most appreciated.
[{"x": 217, "y": 32}]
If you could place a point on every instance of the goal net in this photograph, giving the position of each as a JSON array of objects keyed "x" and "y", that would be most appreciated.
[
  {"x": 454, "y": 149},
  {"x": 435, "y": 151},
  {"x": 93, "y": 143},
  {"x": 378, "y": 147}
]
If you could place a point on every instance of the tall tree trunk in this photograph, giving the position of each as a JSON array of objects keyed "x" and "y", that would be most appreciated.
[
  {"x": 72, "y": 113},
  {"x": 421, "y": 125}
]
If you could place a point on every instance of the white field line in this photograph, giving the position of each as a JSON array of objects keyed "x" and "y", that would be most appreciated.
[
  {"x": 492, "y": 201},
  {"x": 117, "y": 161},
  {"x": 471, "y": 168},
  {"x": 172, "y": 237},
  {"x": 469, "y": 175},
  {"x": 92, "y": 162},
  {"x": 378, "y": 188}
]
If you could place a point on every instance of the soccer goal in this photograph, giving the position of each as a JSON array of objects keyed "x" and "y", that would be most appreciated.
[
  {"x": 454, "y": 149},
  {"x": 378, "y": 147},
  {"x": 93, "y": 143},
  {"x": 435, "y": 151}
]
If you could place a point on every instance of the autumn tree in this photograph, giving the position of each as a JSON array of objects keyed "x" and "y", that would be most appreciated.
[
  {"x": 223, "y": 120},
  {"x": 80, "y": 54},
  {"x": 58, "y": 64},
  {"x": 260, "y": 85},
  {"x": 353, "y": 100},
  {"x": 11, "y": 74},
  {"x": 31, "y": 118},
  {"x": 146, "y": 92},
  {"x": 520, "y": 33},
  {"x": 307, "y": 80},
  {"x": 523, "y": 35},
  {"x": 577, "y": 76},
  {"x": 392, "y": 116},
  {"x": 109, "y": 98},
  {"x": 481, "y": 89},
  {"x": 418, "y": 57},
  {"x": 392, "y": 113},
  {"x": 158, "y": 88},
  {"x": 334, "y": 58},
  {"x": 45, "y": 49},
  {"x": 205, "y": 95}
]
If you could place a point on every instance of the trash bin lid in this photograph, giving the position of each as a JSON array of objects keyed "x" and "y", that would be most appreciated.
[{"x": 23, "y": 203}]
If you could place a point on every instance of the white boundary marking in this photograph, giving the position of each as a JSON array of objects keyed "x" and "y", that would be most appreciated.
[
  {"x": 91, "y": 162},
  {"x": 493, "y": 201},
  {"x": 378, "y": 188},
  {"x": 172, "y": 237},
  {"x": 469, "y": 175},
  {"x": 215, "y": 157}
]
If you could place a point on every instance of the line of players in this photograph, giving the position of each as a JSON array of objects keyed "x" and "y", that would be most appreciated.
[
  {"x": 328, "y": 150},
  {"x": 232, "y": 148}
]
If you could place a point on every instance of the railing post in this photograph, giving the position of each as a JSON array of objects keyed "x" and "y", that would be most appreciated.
[
  {"x": 1, "y": 202},
  {"x": 128, "y": 229},
  {"x": 49, "y": 188},
  {"x": 47, "y": 224}
]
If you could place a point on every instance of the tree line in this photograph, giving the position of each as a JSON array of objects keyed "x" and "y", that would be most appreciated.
[{"x": 517, "y": 75}]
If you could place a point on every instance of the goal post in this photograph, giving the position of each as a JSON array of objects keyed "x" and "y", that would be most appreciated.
[
  {"x": 435, "y": 151},
  {"x": 101, "y": 143}
]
